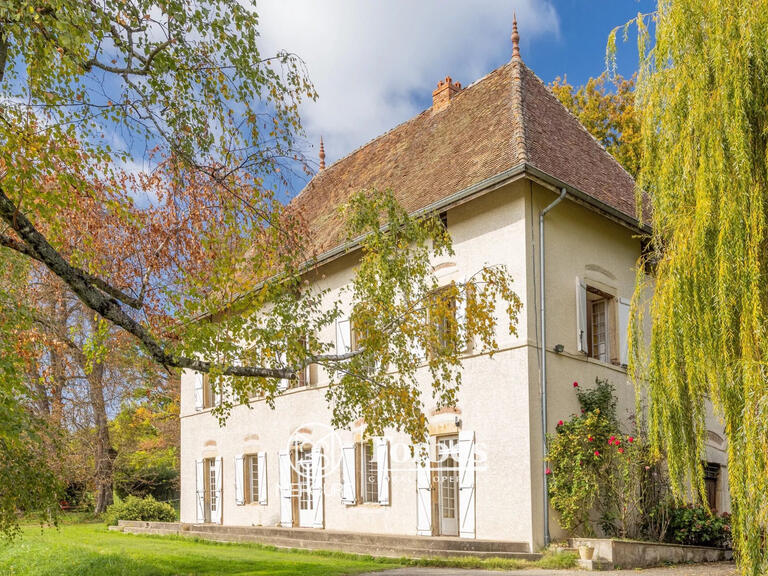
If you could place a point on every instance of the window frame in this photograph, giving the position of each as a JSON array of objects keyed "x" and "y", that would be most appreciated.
[
  {"x": 367, "y": 473},
  {"x": 594, "y": 296}
]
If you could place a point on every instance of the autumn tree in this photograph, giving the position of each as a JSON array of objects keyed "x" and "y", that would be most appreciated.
[
  {"x": 703, "y": 89},
  {"x": 605, "y": 106},
  {"x": 213, "y": 273}
]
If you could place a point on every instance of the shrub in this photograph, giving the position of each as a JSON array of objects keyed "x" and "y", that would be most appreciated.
[
  {"x": 696, "y": 526},
  {"x": 133, "y": 508}
]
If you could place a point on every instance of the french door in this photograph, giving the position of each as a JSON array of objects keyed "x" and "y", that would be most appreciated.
[
  {"x": 304, "y": 488},
  {"x": 448, "y": 485}
]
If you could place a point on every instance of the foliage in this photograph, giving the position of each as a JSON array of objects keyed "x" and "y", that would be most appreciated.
[
  {"x": 703, "y": 88},
  {"x": 599, "y": 471},
  {"x": 145, "y": 434},
  {"x": 135, "y": 508},
  {"x": 200, "y": 235},
  {"x": 557, "y": 560},
  {"x": 578, "y": 459},
  {"x": 695, "y": 525},
  {"x": 27, "y": 445},
  {"x": 605, "y": 106}
]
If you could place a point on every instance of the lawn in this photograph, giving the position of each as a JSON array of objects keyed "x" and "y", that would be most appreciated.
[{"x": 91, "y": 550}]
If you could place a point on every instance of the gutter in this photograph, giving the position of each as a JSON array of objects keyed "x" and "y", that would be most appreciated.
[{"x": 543, "y": 361}]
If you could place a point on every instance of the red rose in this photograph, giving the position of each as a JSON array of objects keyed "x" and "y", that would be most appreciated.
[
  {"x": 590, "y": 438},
  {"x": 630, "y": 439},
  {"x": 621, "y": 450},
  {"x": 560, "y": 423},
  {"x": 597, "y": 452},
  {"x": 548, "y": 472},
  {"x": 612, "y": 439},
  {"x": 575, "y": 384}
]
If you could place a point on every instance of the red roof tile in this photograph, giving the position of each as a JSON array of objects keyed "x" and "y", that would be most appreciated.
[{"x": 503, "y": 120}]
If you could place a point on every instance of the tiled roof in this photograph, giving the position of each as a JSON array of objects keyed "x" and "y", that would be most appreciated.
[{"x": 507, "y": 118}]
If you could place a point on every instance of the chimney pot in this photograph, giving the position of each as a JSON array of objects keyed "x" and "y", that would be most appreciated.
[{"x": 441, "y": 96}]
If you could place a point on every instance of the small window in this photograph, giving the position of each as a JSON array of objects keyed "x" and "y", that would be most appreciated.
[
  {"x": 711, "y": 479},
  {"x": 211, "y": 396},
  {"x": 252, "y": 478},
  {"x": 369, "y": 477},
  {"x": 600, "y": 324},
  {"x": 442, "y": 320}
]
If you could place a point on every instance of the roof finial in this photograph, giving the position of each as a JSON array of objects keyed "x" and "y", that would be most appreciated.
[
  {"x": 322, "y": 154},
  {"x": 515, "y": 37}
]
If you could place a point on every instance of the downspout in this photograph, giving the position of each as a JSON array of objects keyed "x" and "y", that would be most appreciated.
[{"x": 543, "y": 361}]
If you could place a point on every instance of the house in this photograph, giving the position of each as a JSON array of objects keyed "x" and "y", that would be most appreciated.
[{"x": 489, "y": 157}]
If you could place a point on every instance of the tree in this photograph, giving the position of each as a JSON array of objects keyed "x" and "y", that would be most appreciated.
[
  {"x": 191, "y": 269},
  {"x": 605, "y": 106},
  {"x": 703, "y": 89}
]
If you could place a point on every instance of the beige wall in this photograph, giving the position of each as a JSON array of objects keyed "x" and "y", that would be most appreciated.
[{"x": 500, "y": 397}]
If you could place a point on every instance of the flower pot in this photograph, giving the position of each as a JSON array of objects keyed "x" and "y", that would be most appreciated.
[{"x": 586, "y": 552}]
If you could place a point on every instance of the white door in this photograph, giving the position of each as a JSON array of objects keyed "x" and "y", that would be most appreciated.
[
  {"x": 306, "y": 495},
  {"x": 215, "y": 490},
  {"x": 448, "y": 485}
]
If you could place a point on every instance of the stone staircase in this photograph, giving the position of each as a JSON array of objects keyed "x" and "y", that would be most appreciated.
[{"x": 350, "y": 542}]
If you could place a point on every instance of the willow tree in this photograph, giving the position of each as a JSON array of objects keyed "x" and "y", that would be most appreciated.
[{"x": 702, "y": 87}]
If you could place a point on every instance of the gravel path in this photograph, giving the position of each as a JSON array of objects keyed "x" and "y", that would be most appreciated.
[{"x": 712, "y": 569}]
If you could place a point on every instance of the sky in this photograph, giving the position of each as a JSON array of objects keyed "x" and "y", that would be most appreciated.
[{"x": 374, "y": 64}]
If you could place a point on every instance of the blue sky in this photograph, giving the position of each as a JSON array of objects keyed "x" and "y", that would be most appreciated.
[{"x": 374, "y": 64}]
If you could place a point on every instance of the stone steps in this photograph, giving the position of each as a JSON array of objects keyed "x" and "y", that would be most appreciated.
[{"x": 350, "y": 542}]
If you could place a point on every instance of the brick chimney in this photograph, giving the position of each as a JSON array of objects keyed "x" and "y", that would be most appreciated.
[{"x": 441, "y": 96}]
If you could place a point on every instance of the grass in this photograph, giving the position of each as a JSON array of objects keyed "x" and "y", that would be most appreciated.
[{"x": 92, "y": 550}]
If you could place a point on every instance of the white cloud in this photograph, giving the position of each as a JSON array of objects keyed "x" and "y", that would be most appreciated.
[{"x": 375, "y": 64}]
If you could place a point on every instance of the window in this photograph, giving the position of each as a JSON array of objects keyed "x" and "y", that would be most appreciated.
[
  {"x": 212, "y": 485},
  {"x": 599, "y": 324},
  {"x": 211, "y": 396},
  {"x": 711, "y": 477},
  {"x": 369, "y": 475},
  {"x": 444, "y": 320},
  {"x": 252, "y": 478}
]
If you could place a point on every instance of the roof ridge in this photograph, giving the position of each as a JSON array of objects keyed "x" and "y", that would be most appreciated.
[
  {"x": 578, "y": 122},
  {"x": 518, "y": 135}
]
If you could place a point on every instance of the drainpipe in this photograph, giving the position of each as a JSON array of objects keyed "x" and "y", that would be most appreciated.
[{"x": 543, "y": 361}]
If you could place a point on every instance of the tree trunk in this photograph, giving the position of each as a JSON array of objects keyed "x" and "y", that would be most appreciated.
[{"x": 104, "y": 453}]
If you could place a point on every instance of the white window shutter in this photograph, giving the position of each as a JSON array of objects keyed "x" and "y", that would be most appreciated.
[
  {"x": 581, "y": 315},
  {"x": 262, "y": 471},
  {"x": 199, "y": 491},
  {"x": 343, "y": 336},
  {"x": 348, "y": 476},
  {"x": 286, "y": 489},
  {"x": 216, "y": 492},
  {"x": 239, "y": 481},
  {"x": 624, "y": 331},
  {"x": 198, "y": 376},
  {"x": 382, "y": 469},
  {"x": 317, "y": 486},
  {"x": 461, "y": 319},
  {"x": 467, "y": 484},
  {"x": 284, "y": 383},
  {"x": 423, "y": 492}
]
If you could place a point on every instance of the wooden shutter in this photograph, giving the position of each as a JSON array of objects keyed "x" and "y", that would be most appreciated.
[
  {"x": 382, "y": 469},
  {"x": 239, "y": 481},
  {"x": 216, "y": 515},
  {"x": 581, "y": 316},
  {"x": 261, "y": 466},
  {"x": 317, "y": 486},
  {"x": 343, "y": 336},
  {"x": 624, "y": 331},
  {"x": 198, "y": 378},
  {"x": 286, "y": 489},
  {"x": 199, "y": 491},
  {"x": 423, "y": 492},
  {"x": 348, "y": 474},
  {"x": 466, "y": 484}
]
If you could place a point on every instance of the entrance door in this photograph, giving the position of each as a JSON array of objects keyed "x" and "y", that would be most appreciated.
[
  {"x": 211, "y": 499},
  {"x": 304, "y": 477},
  {"x": 448, "y": 485}
]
